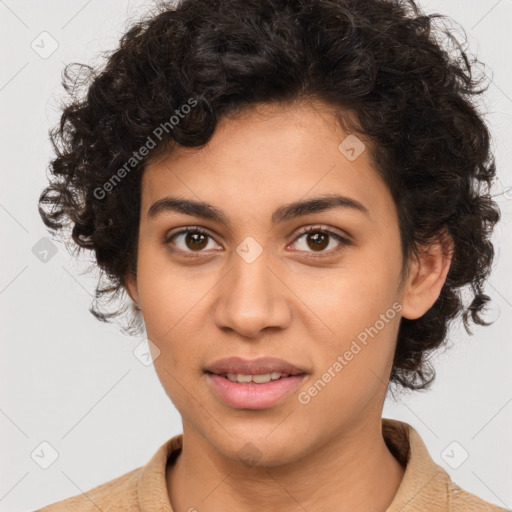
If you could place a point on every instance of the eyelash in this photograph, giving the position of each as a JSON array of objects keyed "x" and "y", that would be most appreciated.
[{"x": 312, "y": 229}]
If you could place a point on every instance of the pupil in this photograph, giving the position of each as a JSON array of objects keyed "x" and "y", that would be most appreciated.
[
  {"x": 319, "y": 240},
  {"x": 194, "y": 238}
]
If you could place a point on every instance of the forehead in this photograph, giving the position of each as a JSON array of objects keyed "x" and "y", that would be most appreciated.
[{"x": 270, "y": 155}]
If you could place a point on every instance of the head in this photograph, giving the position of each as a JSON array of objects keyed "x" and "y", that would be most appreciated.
[{"x": 222, "y": 115}]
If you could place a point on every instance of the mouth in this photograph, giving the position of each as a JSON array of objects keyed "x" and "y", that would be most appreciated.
[
  {"x": 253, "y": 395},
  {"x": 256, "y": 384}
]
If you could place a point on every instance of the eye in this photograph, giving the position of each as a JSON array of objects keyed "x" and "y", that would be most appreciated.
[
  {"x": 193, "y": 239},
  {"x": 319, "y": 238}
]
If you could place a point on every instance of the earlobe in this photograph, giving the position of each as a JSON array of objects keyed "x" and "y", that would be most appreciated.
[
  {"x": 130, "y": 285},
  {"x": 427, "y": 277}
]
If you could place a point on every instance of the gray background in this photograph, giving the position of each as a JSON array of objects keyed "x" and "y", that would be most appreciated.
[{"x": 73, "y": 382}]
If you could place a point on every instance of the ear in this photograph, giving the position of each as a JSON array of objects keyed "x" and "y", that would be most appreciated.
[
  {"x": 130, "y": 285},
  {"x": 427, "y": 275}
]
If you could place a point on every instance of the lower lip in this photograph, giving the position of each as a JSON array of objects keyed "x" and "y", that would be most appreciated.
[{"x": 253, "y": 396}]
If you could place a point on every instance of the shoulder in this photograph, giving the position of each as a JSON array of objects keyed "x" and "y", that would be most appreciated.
[
  {"x": 119, "y": 494},
  {"x": 425, "y": 484},
  {"x": 142, "y": 488},
  {"x": 462, "y": 501}
]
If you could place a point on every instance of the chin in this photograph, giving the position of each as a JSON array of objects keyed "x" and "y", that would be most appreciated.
[{"x": 259, "y": 450}]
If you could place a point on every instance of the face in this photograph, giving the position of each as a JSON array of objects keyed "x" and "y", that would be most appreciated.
[{"x": 252, "y": 283}]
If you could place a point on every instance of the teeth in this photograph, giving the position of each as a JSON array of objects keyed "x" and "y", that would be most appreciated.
[
  {"x": 243, "y": 378},
  {"x": 258, "y": 379}
]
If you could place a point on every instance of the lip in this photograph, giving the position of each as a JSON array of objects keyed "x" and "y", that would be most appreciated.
[
  {"x": 258, "y": 366},
  {"x": 251, "y": 395}
]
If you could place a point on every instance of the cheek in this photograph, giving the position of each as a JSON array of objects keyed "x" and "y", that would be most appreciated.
[
  {"x": 353, "y": 368},
  {"x": 350, "y": 299},
  {"x": 165, "y": 292},
  {"x": 359, "y": 304}
]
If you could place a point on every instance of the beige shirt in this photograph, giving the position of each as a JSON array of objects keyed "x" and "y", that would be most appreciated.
[{"x": 425, "y": 487}]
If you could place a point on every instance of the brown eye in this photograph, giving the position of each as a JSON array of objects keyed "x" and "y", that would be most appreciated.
[
  {"x": 316, "y": 239},
  {"x": 189, "y": 240},
  {"x": 195, "y": 241}
]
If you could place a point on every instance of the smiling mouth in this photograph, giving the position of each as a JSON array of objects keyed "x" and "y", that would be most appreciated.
[{"x": 240, "y": 391}]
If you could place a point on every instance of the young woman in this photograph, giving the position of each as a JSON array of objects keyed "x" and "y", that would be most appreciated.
[{"x": 293, "y": 195}]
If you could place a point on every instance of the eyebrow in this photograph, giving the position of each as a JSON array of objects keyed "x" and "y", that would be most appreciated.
[{"x": 281, "y": 214}]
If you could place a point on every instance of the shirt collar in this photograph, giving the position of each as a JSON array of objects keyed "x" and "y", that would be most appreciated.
[
  {"x": 425, "y": 484},
  {"x": 152, "y": 487}
]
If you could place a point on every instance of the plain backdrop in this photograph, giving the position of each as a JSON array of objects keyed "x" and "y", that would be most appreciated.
[{"x": 72, "y": 390}]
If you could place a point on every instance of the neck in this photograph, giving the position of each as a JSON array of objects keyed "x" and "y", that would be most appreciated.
[{"x": 352, "y": 471}]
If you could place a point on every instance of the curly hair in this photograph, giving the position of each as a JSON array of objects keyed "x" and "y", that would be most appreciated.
[{"x": 405, "y": 79}]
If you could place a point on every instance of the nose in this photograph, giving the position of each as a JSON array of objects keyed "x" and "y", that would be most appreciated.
[{"x": 252, "y": 297}]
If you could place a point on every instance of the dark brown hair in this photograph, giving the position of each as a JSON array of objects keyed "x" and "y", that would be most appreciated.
[{"x": 403, "y": 75}]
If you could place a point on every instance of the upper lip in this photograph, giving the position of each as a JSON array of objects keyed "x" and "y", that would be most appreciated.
[{"x": 258, "y": 366}]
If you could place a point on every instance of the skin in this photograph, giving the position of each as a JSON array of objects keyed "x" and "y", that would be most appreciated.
[{"x": 328, "y": 454}]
